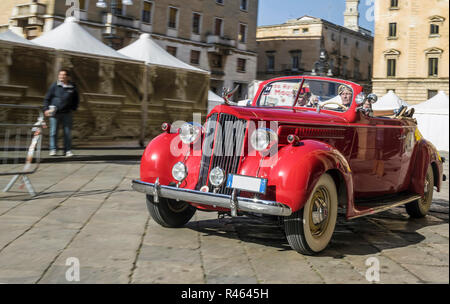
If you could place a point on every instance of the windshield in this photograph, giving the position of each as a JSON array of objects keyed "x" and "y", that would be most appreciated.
[{"x": 330, "y": 95}]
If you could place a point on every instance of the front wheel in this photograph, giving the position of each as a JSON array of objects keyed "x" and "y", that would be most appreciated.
[
  {"x": 170, "y": 213},
  {"x": 310, "y": 229},
  {"x": 420, "y": 208}
]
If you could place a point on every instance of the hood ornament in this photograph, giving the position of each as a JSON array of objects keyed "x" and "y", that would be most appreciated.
[{"x": 227, "y": 93}]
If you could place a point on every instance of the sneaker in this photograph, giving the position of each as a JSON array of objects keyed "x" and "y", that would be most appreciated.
[
  {"x": 52, "y": 153},
  {"x": 69, "y": 154}
]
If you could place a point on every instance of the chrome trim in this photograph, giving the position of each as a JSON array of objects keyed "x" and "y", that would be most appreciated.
[{"x": 213, "y": 199}]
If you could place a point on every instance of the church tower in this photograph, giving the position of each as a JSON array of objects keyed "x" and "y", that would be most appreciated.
[{"x": 351, "y": 15}]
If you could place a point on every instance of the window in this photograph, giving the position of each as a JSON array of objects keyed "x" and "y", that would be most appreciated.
[
  {"x": 216, "y": 60},
  {"x": 218, "y": 25},
  {"x": 387, "y": 90},
  {"x": 295, "y": 60},
  {"x": 196, "y": 20},
  {"x": 345, "y": 40},
  {"x": 391, "y": 65},
  {"x": 434, "y": 29},
  {"x": 270, "y": 62},
  {"x": 333, "y": 38},
  {"x": 244, "y": 4},
  {"x": 173, "y": 12},
  {"x": 172, "y": 50},
  {"x": 242, "y": 37},
  {"x": 147, "y": 12},
  {"x": 220, "y": 1},
  {"x": 195, "y": 57},
  {"x": 394, "y": 3},
  {"x": 393, "y": 29},
  {"x": 295, "y": 31},
  {"x": 432, "y": 93},
  {"x": 241, "y": 64},
  {"x": 305, "y": 30},
  {"x": 357, "y": 44},
  {"x": 433, "y": 66},
  {"x": 83, "y": 6},
  {"x": 117, "y": 9}
]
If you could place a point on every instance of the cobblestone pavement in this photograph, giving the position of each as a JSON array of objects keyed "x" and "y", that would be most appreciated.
[{"x": 87, "y": 210}]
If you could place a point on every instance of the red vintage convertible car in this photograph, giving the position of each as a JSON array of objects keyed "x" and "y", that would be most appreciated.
[{"x": 302, "y": 148}]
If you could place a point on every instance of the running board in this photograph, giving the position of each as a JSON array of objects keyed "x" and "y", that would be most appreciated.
[{"x": 369, "y": 208}]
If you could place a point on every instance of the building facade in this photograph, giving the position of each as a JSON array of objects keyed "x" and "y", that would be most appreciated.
[
  {"x": 411, "y": 48},
  {"x": 310, "y": 45},
  {"x": 215, "y": 35}
]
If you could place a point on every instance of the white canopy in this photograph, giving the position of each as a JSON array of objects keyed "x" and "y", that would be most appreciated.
[
  {"x": 145, "y": 49},
  {"x": 10, "y": 36},
  {"x": 70, "y": 36},
  {"x": 433, "y": 119},
  {"x": 390, "y": 101},
  {"x": 213, "y": 100},
  {"x": 435, "y": 105}
]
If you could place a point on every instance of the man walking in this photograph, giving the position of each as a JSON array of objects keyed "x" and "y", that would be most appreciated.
[{"x": 61, "y": 99}]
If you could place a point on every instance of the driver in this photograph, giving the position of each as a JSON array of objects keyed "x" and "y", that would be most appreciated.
[{"x": 346, "y": 95}]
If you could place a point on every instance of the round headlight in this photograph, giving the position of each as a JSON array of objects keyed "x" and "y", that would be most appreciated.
[
  {"x": 217, "y": 177},
  {"x": 189, "y": 133},
  {"x": 179, "y": 171},
  {"x": 360, "y": 98},
  {"x": 262, "y": 138}
]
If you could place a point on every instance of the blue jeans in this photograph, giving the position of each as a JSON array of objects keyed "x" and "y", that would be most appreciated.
[{"x": 66, "y": 120}]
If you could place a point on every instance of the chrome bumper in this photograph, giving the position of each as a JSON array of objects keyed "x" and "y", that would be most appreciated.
[{"x": 213, "y": 199}]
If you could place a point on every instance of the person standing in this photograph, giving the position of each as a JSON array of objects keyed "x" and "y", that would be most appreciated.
[{"x": 60, "y": 101}]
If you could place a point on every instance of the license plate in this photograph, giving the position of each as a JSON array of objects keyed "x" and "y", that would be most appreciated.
[{"x": 247, "y": 183}]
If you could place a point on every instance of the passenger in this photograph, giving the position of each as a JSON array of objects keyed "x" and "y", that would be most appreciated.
[{"x": 313, "y": 101}]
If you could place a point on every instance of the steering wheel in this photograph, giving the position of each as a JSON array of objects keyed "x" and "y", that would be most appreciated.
[{"x": 335, "y": 103}]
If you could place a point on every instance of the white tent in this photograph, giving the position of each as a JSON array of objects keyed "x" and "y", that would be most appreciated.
[
  {"x": 390, "y": 101},
  {"x": 10, "y": 36},
  {"x": 433, "y": 120},
  {"x": 71, "y": 37},
  {"x": 213, "y": 100},
  {"x": 145, "y": 49}
]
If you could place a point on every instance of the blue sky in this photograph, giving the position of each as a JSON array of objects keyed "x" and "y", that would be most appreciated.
[{"x": 278, "y": 11}]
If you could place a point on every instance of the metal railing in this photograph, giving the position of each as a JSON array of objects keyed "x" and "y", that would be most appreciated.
[{"x": 17, "y": 138}]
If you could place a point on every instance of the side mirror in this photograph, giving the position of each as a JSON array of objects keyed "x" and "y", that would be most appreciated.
[{"x": 373, "y": 98}]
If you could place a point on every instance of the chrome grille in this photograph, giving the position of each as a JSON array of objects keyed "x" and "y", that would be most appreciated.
[{"x": 226, "y": 146}]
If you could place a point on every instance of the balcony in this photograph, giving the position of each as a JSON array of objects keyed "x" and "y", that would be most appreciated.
[
  {"x": 29, "y": 14},
  {"x": 218, "y": 40},
  {"x": 119, "y": 20}
]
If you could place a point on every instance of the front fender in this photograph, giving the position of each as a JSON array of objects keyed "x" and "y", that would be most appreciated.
[
  {"x": 158, "y": 158},
  {"x": 297, "y": 169}
]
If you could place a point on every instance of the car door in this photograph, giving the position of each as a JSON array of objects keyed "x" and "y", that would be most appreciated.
[{"x": 376, "y": 157}]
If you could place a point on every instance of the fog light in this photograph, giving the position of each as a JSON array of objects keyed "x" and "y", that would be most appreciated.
[
  {"x": 217, "y": 177},
  {"x": 179, "y": 171}
]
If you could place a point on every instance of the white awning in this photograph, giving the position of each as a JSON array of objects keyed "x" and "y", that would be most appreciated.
[
  {"x": 70, "y": 36},
  {"x": 145, "y": 49},
  {"x": 390, "y": 101},
  {"x": 435, "y": 105}
]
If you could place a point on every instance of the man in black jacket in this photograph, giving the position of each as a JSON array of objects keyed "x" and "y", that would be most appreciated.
[{"x": 61, "y": 99}]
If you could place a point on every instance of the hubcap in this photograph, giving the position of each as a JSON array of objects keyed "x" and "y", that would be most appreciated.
[
  {"x": 177, "y": 207},
  {"x": 318, "y": 214}
]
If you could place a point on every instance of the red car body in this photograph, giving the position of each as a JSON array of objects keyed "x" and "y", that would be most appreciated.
[{"x": 368, "y": 157}]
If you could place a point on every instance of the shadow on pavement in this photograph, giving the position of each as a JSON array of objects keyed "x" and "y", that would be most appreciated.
[{"x": 363, "y": 236}]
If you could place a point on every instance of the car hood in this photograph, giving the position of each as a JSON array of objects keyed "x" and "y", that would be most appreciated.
[{"x": 280, "y": 114}]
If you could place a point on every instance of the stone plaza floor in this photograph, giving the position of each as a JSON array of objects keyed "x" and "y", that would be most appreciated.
[{"x": 86, "y": 209}]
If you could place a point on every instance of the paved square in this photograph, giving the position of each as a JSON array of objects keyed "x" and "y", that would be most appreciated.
[{"x": 88, "y": 210}]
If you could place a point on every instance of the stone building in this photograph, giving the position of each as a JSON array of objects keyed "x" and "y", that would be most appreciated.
[
  {"x": 215, "y": 35},
  {"x": 295, "y": 47},
  {"x": 411, "y": 48}
]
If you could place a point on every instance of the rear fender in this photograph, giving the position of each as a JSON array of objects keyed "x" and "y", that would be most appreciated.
[
  {"x": 425, "y": 155},
  {"x": 298, "y": 168}
]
